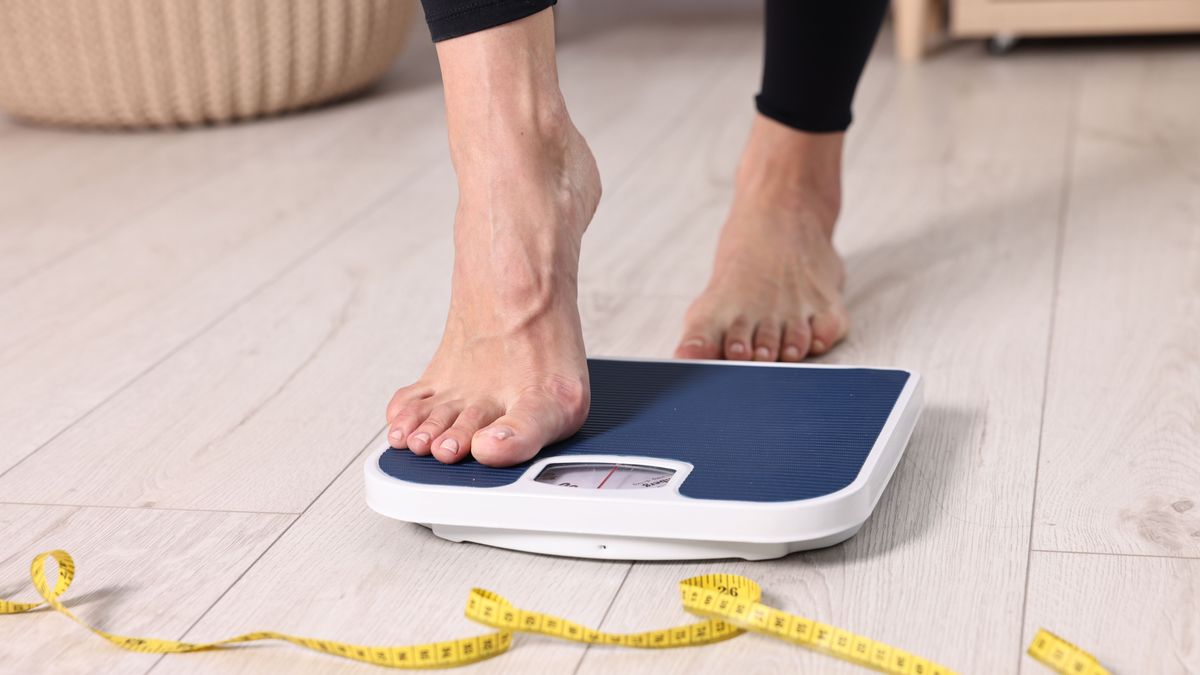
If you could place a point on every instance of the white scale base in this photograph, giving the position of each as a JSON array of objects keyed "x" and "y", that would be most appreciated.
[{"x": 551, "y": 508}]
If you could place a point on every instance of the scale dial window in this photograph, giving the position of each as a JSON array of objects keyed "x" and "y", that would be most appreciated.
[{"x": 605, "y": 476}]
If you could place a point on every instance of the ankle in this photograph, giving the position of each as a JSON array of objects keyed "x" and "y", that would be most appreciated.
[
  {"x": 792, "y": 170},
  {"x": 509, "y": 134}
]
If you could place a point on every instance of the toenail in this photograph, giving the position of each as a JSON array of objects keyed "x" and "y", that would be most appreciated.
[
  {"x": 736, "y": 348},
  {"x": 501, "y": 433},
  {"x": 791, "y": 353},
  {"x": 450, "y": 445},
  {"x": 397, "y": 436},
  {"x": 818, "y": 346},
  {"x": 694, "y": 342},
  {"x": 762, "y": 352},
  {"x": 420, "y": 438}
]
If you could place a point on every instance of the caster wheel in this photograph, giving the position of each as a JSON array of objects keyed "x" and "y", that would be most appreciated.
[{"x": 1001, "y": 44}]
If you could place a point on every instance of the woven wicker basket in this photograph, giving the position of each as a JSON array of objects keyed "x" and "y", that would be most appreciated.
[{"x": 153, "y": 63}]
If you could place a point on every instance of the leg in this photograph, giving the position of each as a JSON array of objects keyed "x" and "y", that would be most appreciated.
[
  {"x": 776, "y": 288},
  {"x": 510, "y": 375}
]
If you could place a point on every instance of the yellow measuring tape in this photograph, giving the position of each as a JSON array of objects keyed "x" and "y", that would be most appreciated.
[
  {"x": 728, "y": 602},
  {"x": 1062, "y": 656}
]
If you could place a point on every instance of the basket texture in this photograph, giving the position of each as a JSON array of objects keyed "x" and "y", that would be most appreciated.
[{"x": 155, "y": 63}]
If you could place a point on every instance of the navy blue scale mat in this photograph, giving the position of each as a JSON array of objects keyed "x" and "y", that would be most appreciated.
[{"x": 752, "y": 433}]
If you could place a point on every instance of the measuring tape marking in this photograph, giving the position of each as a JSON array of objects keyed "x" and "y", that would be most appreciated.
[
  {"x": 1062, "y": 656},
  {"x": 732, "y": 605},
  {"x": 729, "y": 603},
  {"x": 702, "y": 599},
  {"x": 492, "y": 610}
]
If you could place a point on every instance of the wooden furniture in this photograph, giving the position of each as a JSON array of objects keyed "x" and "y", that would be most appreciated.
[{"x": 918, "y": 23}]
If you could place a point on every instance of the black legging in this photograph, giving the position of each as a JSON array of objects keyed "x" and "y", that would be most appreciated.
[{"x": 815, "y": 50}]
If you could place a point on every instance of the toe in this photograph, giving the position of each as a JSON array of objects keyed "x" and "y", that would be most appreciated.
[
  {"x": 454, "y": 444},
  {"x": 405, "y": 421},
  {"x": 797, "y": 336},
  {"x": 440, "y": 418},
  {"x": 533, "y": 422},
  {"x": 699, "y": 342},
  {"x": 405, "y": 396},
  {"x": 738, "y": 339},
  {"x": 766, "y": 340},
  {"x": 828, "y": 328},
  {"x": 702, "y": 334}
]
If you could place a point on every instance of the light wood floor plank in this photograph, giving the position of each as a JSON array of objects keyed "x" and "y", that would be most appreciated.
[
  {"x": 1120, "y": 465},
  {"x": 345, "y": 573},
  {"x": 57, "y": 215},
  {"x": 88, "y": 324},
  {"x": 139, "y": 572},
  {"x": 78, "y": 336},
  {"x": 968, "y": 106},
  {"x": 64, "y": 190},
  {"x": 1134, "y": 614},
  {"x": 659, "y": 236},
  {"x": 626, "y": 324},
  {"x": 261, "y": 411}
]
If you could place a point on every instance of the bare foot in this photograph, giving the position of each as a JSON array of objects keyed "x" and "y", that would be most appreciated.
[
  {"x": 776, "y": 289},
  {"x": 510, "y": 375}
]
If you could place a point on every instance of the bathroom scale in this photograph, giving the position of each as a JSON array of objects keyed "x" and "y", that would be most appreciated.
[{"x": 678, "y": 460}]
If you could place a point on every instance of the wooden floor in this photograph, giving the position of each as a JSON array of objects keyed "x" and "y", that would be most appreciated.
[{"x": 200, "y": 331}]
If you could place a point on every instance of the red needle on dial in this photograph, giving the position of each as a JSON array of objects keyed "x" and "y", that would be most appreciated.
[{"x": 610, "y": 473}]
